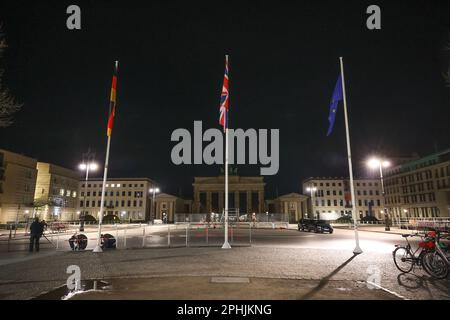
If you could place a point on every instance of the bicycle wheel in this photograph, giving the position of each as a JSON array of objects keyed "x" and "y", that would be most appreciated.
[
  {"x": 403, "y": 259},
  {"x": 435, "y": 265}
]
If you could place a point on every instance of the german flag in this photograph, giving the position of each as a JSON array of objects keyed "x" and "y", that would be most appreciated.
[{"x": 112, "y": 103}]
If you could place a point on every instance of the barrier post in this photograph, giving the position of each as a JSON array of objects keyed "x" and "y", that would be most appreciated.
[
  {"x": 187, "y": 227},
  {"x": 168, "y": 235},
  {"x": 250, "y": 231},
  {"x": 57, "y": 241},
  {"x": 207, "y": 234},
  {"x": 117, "y": 237},
  {"x": 9, "y": 239},
  {"x": 143, "y": 237},
  {"x": 125, "y": 237}
]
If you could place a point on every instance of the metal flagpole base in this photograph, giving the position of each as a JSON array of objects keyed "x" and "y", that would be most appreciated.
[
  {"x": 357, "y": 250},
  {"x": 97, "y": 249},
  {"x": 226, "y": 245}
]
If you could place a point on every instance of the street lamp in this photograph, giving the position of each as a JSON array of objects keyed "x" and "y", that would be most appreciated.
[
  {"x": 376, "y": 163},
  {"x": 87, "y": 165},
  {"x": 152, "y": 214},
  {"x": 312, "y": 190}
]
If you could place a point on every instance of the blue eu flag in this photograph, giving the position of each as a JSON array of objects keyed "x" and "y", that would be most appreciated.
[{"x": 337, "y": 96}]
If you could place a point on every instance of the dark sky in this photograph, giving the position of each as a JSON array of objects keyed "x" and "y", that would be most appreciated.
[{"x": 284, "y": 65}]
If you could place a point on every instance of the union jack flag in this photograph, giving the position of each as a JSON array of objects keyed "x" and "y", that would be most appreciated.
[{"x": 224, "y": 99}]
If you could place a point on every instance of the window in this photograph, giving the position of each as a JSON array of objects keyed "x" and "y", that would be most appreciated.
[
  {"x": 88, "y": 194},
  {"x": 134, "y": 203},
  {"x": 122, "y": 203},
  {"x": 81, "y": 203},
  {"x": 111, "y": 193},
  {"x": 61, "y": 192},
  {"x": 123, "y": 193},
  {"x": 140, "y": 203}
]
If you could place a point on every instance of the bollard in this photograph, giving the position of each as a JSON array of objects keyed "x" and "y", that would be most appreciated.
[
  {"x": 250, "y": 232},
  {"x": 207, "y": 235},
  {"x": 117, "y": 237},
  {"x": 187, "y": 228},
  {"x": 9, "y": 239},
  {"x": 143, "y": 237},
  {"x": 57, "y": 241},
  {"x": 168, "y": 235},
  {"x": 231, "y": 231},
  {"x": 125, "y": 238}
]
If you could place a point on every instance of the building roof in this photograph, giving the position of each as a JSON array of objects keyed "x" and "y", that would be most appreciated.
[{"x": 426, "y": 161}]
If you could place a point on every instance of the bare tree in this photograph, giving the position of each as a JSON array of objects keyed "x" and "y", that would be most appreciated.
[{"x": 8, "y": 105}]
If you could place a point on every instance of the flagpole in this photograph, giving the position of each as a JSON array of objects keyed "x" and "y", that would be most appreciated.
[
  {"x": 357, "y": 249},
  {"x": 98, "y": 247},
  {"x": 226, "y": 245}
]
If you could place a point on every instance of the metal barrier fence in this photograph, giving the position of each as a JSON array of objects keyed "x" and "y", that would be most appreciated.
[
  {"x": 146, "y": 236},
  {"x": 232, "y": 217}
]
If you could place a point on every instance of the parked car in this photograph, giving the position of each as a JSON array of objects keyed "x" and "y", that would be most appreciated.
[{"x": 318, "y": 226}]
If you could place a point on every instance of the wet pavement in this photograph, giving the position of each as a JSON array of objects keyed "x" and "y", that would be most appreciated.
[{"x": 281, "y": 263}]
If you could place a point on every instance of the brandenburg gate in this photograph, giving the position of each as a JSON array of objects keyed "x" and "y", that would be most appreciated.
[{"x": 245, "y": 194}]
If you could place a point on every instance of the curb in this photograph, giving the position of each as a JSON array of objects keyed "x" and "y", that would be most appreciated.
[{"x": 385, "y": 232}]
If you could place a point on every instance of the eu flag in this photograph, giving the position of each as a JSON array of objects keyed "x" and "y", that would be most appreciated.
[{"x": 337, "y": 96}]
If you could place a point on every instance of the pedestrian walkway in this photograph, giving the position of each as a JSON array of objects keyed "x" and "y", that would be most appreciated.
[{"x": 21, "y": 256}]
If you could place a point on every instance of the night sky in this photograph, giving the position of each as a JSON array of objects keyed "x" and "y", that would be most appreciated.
[{"x": 283, "y": 68}]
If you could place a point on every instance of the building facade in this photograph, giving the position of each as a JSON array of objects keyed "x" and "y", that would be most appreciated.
[
  {"x": 167, "y": 205},
  {"x": 419, "y": 188},
  {"x": 17, "y": 185},
  {"x": 56, "y": 193},
  {"x": 293, "y": 205},
  {"x": 127, "y": 198},
  {"x": 245, "y": 194},
  {"x": 332, "y": 198}
]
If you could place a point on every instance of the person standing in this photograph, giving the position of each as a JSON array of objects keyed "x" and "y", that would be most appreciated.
[{"x": 36, "y": 230}]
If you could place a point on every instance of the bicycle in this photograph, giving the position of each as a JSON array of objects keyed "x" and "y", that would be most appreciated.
[
  {"x": 405, "y": 258},
  {"x": 437, "y": 261}
]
